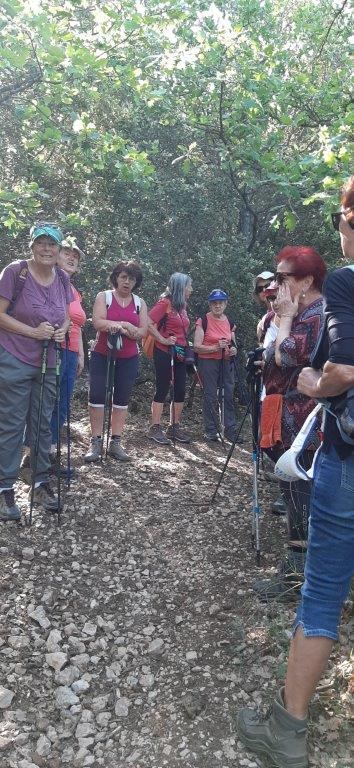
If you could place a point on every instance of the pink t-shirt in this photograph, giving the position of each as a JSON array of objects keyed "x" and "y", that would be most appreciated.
[
  {"x": 177, "y": 323},
  {"x": 77, "y": 318},
  {"x": 215, "y": 331},
  {"x": 117, "y": 312},
  {"x": 35, "y": 304}
]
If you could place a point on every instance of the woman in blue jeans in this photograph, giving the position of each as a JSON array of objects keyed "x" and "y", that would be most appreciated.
[{"x": 330, "y": 558}]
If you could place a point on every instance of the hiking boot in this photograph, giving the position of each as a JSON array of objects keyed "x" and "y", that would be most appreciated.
[
  {"x": 94, "y": 451},
  {"x": 175, "y": 432},
  {"x": 278, "y": 507},
  {"x": 285, "y": 585},
  {"x": 25, "y": 469},
  {"x": 8, "y": 509},
  {"x": 156, "y": 433},
  {"x": 211, "y": 438},
  {"x": 279, "y": 735},
  {"x": 116, "y": 451},
  {"x": 45, "y": 497}
]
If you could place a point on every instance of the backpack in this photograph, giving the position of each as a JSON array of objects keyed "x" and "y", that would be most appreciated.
[
  {"x": 21, "y": 277},
  {"x": 205, "y": 323},
  {"x": 137, "y": 300}
]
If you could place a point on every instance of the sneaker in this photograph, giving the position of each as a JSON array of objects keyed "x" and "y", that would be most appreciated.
[
  {"x": 94, "y": 451},
  {"x": 116, "y": 451},
  {"x": 8, "y": 509},
  {"x": 176, "y": 433},
  {"x": 25, "y": 469},
  {"x": 156, "y": 433},
  {"x": 45, "y": 497},
  {"x": 211, "y": 438},
  {"x": 278, "y": 735}
]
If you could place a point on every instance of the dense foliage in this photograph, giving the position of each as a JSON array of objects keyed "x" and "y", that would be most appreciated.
[{"x": 193, "y": 135}]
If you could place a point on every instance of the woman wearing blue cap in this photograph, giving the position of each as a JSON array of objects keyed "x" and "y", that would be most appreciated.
[
  {"x": 214, "y": 341},
  {"x": 34, "y": 300}
]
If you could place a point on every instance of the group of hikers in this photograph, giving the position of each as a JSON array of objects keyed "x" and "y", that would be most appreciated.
[{"x": 306, "y": 354}]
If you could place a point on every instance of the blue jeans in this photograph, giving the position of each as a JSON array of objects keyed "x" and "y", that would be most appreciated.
[
  {"x": 68, "y": 369},
  {"x": 330, "y": 556}
]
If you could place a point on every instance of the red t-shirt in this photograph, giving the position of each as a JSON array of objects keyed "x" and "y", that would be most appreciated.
[
  {"x": 77, "y": 318},
  {"x": 216, "y": 330},
  {"x": 177, "y": 323},
  {"x": 117, "y": 312}
]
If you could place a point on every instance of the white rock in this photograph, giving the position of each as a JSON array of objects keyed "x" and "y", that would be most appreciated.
[
  {"x": 122, "y": 707},
  {"x": 65, "y": 697},
  {"x": 67, "y": 676},
  {"x": 90, "y": 629},
  {"x": 191, "y": 655},
  {"x": 103, "y": 719},
  {"x": 99, "y": 703},
  {"x": 214, "y": 609},
  {"x": 28, "y": 553},
  {"x": 146, "y": 681},
  {"x": 56, "y": 660},
  {"x": 6, "y": 697},
  {"x": 80, "y": 686},
  {"x": 38, "y": 615},
  {"x": 18, "y": 641},
  {"x": 43, "y": 746},
  {"x": 53, "y": 640},
  {"x": 81, "y": 661},
  {"x": 156, "y": 647},
  {"x": 27, "y": 764},
  {"x": 83, "y": 730}
]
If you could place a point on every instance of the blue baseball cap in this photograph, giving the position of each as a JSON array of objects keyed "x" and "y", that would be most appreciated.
[
  {"x": 50, "y": 230},
  {"x": 218, "y": 295}
]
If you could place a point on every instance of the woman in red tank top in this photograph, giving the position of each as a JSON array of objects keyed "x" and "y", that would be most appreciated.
[{"x": 115, "y": 311}]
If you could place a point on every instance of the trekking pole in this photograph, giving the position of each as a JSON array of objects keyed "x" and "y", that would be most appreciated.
[
  {"x": 57, "y": 348},
  {"x": 44, "y": 362},
  {"x": 222, "y": 404},
  {"x": 256, "y": 510},
  {"x": 114, "y": 341},
  {"x": 173, "y": 409},
  {"x": 68, "y": 415},
  {"x": 229, "y": 455}
]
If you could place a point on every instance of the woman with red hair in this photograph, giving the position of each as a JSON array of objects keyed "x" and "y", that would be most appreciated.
[{"x": 299, "y": 307}]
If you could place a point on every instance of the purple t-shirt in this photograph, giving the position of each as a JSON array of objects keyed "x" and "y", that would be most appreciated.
[{"x": 35, "y": 304}]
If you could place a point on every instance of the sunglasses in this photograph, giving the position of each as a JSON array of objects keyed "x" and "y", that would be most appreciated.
[
  {"x": 280, "y": 277},
  {"x": 261, "y": 288},
  {"x": 336, "y": 217}
]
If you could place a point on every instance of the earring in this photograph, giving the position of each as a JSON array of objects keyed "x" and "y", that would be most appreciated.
[{"x": 303, "y": 294}]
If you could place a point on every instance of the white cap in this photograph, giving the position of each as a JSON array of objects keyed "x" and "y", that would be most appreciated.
[{"x": 264, "y": 276}]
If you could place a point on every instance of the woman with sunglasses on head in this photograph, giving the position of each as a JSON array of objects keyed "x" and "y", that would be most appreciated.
[
  {"x": 299, "y": 309},
  {"x": 34, "y": 308},
  {"x": 261, "y": 284}
]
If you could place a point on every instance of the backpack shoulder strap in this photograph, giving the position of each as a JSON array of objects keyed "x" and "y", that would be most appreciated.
[
  {"x": 20, "y": 279},
  {"x": 205, "y": 322},
  {"x": 137, "y": 303},
  {"x": 108, "y": 295}
]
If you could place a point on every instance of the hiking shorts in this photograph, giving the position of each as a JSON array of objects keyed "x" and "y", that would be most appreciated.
[
  {"x": 125, "y": 373},
  {"x": 330, "y": 557},
  {"x": 162, "y": 362}
]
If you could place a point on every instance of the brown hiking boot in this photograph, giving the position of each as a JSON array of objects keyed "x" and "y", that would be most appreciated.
[
  {"x": 174, "y": 432},
  {"x": 156, "y": 433}
]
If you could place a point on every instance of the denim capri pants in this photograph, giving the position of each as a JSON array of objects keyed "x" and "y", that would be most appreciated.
[{"x": 330, "y": 557}]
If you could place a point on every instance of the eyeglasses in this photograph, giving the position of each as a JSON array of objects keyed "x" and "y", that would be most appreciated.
[
  {"x": 336, "y": 217},
  {"x": 280, "y": 277},
  {"x": 261, "y": 288}
]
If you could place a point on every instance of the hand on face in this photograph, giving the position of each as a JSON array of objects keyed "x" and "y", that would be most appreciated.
[{"x": 284, "y": 305}]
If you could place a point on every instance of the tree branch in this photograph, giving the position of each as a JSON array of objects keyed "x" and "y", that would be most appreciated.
[{"x": 336, "y": 16}]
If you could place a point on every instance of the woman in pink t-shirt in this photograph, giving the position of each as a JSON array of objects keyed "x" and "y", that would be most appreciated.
[
  {"x": 168, "y": 324},
  {"x": 72, "y": 361},
  {"x": 214, "y": 342}
]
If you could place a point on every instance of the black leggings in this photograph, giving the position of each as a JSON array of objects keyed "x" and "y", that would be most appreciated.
[
  {"x": 162, "y": 362},
  {"x": 297, "y": 498}
]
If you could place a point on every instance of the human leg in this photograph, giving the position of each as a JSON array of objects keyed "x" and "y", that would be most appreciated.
[
  {"x": 68, "y": 369},
  {"x": 98, "y": 370},
  {"x": 126, "y": 371},
  {"x": 46, "y": 394},
  {"x": 162, "y": 361},
  {"x": 15, "y": 392},
  {"x": 209, "y": 372},
  {"x": 174, "y": 430}
]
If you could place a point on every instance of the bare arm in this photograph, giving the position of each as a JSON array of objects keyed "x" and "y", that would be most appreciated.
[
  {"x": 334, "y": 380},
  {"x": 152, "y": 329},
  {"x": 99, "y": 316},
  {"x": 201, "y": 348},
  {"x": 81, "y": 358},
  {"x": 42, "y": 331}
]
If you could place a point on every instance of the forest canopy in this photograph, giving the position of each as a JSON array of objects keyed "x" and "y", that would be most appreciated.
[{"x": 191, "y": 135}]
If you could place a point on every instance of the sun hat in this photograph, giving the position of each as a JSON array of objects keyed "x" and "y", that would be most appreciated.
[
  {"x": 51, "y": 230},
  {"x": 288, "y": 467},
  {"x": 70, "y": 242},
  {"x": 218, "y": 295}
]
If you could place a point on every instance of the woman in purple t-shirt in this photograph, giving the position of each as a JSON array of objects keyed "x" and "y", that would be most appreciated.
[{"x": 34, "y": 300}]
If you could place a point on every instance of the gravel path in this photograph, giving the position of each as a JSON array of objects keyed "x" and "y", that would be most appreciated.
[{"x": 130, "y": 636}]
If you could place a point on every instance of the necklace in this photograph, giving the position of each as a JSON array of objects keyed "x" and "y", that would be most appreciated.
[{"x": 123, "y": 302}]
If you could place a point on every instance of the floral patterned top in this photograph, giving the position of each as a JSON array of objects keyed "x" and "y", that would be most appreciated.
[{"x": 295, "y": 353}]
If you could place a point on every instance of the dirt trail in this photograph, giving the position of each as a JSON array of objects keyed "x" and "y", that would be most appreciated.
[{"x": 130, "y": 635}]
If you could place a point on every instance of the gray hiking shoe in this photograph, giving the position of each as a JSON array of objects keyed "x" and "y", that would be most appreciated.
[
  {"x": 156, "y": 433},
  {"x": 94, "y": 451},
  {"x": 278, "y": 735},
  {"x": 8, "y": 509},
  {"x": 174, "y": 432},
  {"x": 116, "y": 451},
  {"x": 45, "y": 497}
]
